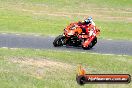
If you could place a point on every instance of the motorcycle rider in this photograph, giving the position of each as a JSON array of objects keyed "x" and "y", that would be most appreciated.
[{"x": 87, "y": 25}]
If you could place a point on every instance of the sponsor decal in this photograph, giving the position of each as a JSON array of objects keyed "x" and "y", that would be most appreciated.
[{"x": 83, "y": 78}]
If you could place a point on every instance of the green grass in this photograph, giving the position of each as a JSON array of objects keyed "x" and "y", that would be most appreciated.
[
  {"x": 27, "y": 68},
  {"x": 99, "y": 3},
  {"x": 14, "y": 22},
  {"x": 115, "y": 30},
  {"x": 45, "y": 17}
]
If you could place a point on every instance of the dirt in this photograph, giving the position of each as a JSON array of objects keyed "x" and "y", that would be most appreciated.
[
  {"x": 41, "y": 67},
  {"x": 40, "y": 62}
]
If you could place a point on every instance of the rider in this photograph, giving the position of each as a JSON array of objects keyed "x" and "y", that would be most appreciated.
[{"x": 87, "y": 23}]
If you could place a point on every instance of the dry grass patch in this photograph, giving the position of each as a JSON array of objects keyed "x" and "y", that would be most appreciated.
[{"x": 41, "y": 67}]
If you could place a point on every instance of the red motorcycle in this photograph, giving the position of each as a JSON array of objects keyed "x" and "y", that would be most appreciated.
[{"x": 74, "y": 36}]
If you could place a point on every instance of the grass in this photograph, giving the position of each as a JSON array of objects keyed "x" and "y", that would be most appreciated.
[
  {"x": 46, "y": 17},
  {"x": 119, "y": 31},
  {"x": 19, "y": 22},
  {"x": 29, "y": 68},
  {"x": 98, "y": 3}
]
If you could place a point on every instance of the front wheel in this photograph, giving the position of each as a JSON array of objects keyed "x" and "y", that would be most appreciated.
[
  {"x": 93, "y": 42},
  {"x": 59, "y": 41}
]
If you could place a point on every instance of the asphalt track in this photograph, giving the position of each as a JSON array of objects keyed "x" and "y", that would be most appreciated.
[{"x": 119, "y": 47}]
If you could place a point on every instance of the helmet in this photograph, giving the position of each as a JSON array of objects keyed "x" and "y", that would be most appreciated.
[{"x": 88, "y": 19}]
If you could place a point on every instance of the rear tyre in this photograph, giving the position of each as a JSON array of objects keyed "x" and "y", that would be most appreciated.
[{"x": 59, "y": 41}]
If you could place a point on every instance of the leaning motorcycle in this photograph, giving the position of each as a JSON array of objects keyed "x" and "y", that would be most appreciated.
[{"x": 74, "y": 36}]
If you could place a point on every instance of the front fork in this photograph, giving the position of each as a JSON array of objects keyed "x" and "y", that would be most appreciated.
[{"x": 88, "y": 41}]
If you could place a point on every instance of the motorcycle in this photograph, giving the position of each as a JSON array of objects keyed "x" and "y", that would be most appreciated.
[{"x": 73, "y": 36}]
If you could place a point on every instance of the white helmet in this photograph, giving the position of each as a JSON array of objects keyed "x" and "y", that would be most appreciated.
[{"x": 89, "y": 19}]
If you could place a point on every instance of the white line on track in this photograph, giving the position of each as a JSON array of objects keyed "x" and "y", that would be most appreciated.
[
  {"x": 109, "y": 54},
  {"x": 109, "y": 39},
  {"x": 4, "y": 33},
  {"x": 83, "y": 52},
  {"x": 52, "y": 36},
  {"x": 94, "y": 53},
  {"x": 125, "y": 55},
  {"x": 13, "y": 48},
  {"x": 36, "y": 35},
  {"x": 68, "y": 51},
  {"x": 4, "y": 47},
  {"x": 18, "y": 34}
]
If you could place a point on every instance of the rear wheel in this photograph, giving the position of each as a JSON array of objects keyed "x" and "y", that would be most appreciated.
[{"x": 59, "y": 41}]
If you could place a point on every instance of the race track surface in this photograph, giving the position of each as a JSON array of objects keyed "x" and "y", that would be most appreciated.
[{"x": 120, "y": 47}]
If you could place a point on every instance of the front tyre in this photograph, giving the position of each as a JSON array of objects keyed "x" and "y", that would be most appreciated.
[
  {"x": 59, "y": 41},
  {"x": 93, "y": 42},
  {"x": 87, "y": 48}
]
